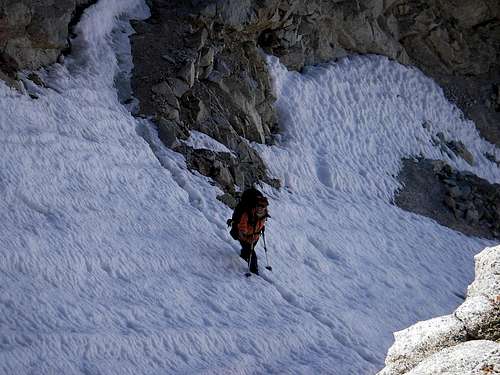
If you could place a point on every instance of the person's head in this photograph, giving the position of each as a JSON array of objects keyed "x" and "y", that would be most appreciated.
[{"x": 261, "y": 207}]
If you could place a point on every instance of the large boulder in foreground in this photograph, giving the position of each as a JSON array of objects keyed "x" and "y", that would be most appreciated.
[
  {"x": 472, "y": 357},
  {"x": 465, "y": 342}
]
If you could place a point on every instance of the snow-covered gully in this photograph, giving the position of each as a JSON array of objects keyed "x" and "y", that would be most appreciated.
[{"x": 115, "y": 259}]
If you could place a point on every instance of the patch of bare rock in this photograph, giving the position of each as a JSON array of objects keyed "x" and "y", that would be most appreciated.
[{"x": 458, "y": 200}]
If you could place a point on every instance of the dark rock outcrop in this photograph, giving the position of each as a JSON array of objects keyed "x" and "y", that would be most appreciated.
[
  {"x": 34, "y": 33},
  {"x": 465, "y": 342},
  {"x": 458, "y": 200},
  {"x": 195, "y": 70}
]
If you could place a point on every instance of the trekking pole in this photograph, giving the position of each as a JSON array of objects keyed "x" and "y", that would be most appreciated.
[{"x": 268, "y": 267}]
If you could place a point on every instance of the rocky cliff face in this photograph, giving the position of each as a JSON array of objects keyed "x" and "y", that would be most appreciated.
[
  {"x": 34, "y": 33},
  {"x": 465, "y": 342},
  {"x": 199, "y": 64}
]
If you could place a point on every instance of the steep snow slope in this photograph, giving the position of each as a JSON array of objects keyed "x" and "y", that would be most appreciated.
[{"x": 116, "y": 260}]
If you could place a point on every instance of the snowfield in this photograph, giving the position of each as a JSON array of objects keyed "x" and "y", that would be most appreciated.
[{"x": 115, "y": 259}]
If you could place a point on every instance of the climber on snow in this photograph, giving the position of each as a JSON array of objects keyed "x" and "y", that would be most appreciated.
[{"x": 248, "y": 223}]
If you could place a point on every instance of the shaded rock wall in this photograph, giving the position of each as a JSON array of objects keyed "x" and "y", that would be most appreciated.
[
  {"x": 33, "y": 33},
  {"x": 465, "y": 342},
  {"x": 192, "y": 72}
]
